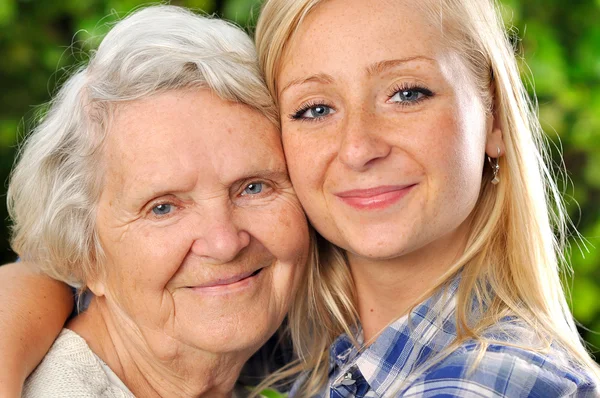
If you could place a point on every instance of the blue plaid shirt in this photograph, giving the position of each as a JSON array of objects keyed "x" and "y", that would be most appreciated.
[{"x": 397, "y": 364}]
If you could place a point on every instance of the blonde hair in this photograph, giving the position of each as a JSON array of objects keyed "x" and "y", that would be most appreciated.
[
  {"x": 512, "y": 262},
  {"x": 57, "y": 181}
]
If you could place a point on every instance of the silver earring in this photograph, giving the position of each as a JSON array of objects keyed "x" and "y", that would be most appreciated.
[{"x": 495, "y": 168}]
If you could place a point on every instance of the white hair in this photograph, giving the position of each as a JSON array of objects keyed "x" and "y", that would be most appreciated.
[{"x": 57, "y": 181}]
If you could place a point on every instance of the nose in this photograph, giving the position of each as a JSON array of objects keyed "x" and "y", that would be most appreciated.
[
  {"x": 360, "y": 146},
  {"x": 219, "y": 238}
]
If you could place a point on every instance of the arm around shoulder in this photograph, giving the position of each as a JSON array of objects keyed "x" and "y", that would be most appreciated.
[{"x": 33, "y": 309}]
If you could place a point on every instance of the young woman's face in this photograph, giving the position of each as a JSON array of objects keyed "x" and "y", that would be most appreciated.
[{"x": 383, "y": 129}]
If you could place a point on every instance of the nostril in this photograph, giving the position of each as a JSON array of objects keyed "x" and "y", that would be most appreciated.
[
  {"x": 244, "y": 237},
  {"x": 221, "y": 244}
]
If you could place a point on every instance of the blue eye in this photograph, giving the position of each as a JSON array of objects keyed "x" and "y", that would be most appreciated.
[
  {"x": 313, "y": 111},
  {"x": 253, "y": 188},
  {"x": 162, "y": 209},
  {"x": 410, "y": 95}
]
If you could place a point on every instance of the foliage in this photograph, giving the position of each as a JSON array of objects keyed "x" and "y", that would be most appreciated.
[
  {"x": 560, "y": 41},
  {"x": 270, "y": 393}
]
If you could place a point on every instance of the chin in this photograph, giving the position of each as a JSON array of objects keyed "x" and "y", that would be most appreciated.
[
  {"x": 242, "y": 339},
  {"x": 378, "y": 253},
  {"x": 385, "y": 247},
  {"x": 236, "y": 334}
]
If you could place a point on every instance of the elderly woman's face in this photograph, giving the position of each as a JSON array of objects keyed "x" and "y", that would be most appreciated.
[{"x": 205, "y": 240}]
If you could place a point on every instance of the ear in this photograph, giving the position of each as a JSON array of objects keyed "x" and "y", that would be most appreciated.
[
  {"x": 96, "y": 285},
  {"x": 494, "y": 146}
]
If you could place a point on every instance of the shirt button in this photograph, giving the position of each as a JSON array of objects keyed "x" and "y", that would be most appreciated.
[{"x": 347, "y": 380}]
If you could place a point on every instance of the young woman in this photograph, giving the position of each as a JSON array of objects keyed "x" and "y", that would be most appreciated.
[
  {"x": 430, "y": 181},
  {"x": 418, "y": 158}
]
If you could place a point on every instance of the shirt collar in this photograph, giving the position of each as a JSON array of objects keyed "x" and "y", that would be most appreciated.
[{"x": 404, "y": 345}]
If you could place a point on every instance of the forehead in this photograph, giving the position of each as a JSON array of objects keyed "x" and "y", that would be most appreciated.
[
  {"x": 186, "y": 132},
  {"x": 363, "y": 30}
]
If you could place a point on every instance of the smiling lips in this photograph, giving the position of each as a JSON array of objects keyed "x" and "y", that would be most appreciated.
[
  {"x": 229, "y": 283},
  {"x": 374, "y": 198}
]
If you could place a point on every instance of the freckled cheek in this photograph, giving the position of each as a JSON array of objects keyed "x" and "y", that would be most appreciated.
[
  {"x": 150, "y": 256},
  {"x": 283, "y": 230},
  {"x": 307, "y": 164},
  {"x": 290, "y": 245},
  {"x": 449, "y": 154},
  {"x": 440, "y": 145},
  {"x": 294, "y": 154}
]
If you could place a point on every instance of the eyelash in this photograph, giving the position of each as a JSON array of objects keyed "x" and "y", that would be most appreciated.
[
  {"x": 410, "y": 87},
  {"x": 159, "y": 203},
  {"x": 297, "y": 114},
  {"x": 266, "y": 189}
]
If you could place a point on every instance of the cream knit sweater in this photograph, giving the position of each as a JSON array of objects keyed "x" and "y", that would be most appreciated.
[{"x": 70, "y": 369}]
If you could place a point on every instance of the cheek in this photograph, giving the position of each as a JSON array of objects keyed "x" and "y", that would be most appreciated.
[
  {"x": 452, "y": 145},
  {"x": 453, "y": 156},
  {"x": 308, "y": 159},
  {"x": 295, "y": 154},
  {"x": 307, "y": 148},
  {"x": 467, "y": 157},
  {"x": 282, "y": 229},
  {"x": 144, "y": 259},
  {"x": 296, "y": 157}
]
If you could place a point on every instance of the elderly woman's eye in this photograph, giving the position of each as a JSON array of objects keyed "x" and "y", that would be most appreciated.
[
  {"x": 312, "y": 111},
  {"x": 253, "y": 188},
  {"x": 408, "y": 95},
  {"x": 162, "y": 209}
]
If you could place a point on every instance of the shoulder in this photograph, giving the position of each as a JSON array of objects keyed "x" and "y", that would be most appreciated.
[
  {"x": 503, "y": 370},
  {"x": 71, "y": 369}
]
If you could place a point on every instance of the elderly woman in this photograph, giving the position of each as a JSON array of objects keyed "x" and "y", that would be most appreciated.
[{"x": 157, "y": 181}]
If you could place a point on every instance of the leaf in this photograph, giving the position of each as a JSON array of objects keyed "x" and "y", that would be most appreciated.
[
  {"x": 270, "y": 393},
  {"x": 7, "y": 11},
  {"x": 585, "y": 295},
  {"x": 240, "y": 11}
]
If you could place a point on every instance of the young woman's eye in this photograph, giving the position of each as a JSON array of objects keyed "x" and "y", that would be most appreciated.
[
  {"x": 312, "y": 111},
  {"x": 408, "y": 95},
  {"x": 162, "y": 209},
  {"x": 253, "y": 188}
]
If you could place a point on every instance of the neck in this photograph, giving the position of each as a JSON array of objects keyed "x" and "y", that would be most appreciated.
[
  {"x": 388, "y": 289},
  {"x": 185, "y": 372}
]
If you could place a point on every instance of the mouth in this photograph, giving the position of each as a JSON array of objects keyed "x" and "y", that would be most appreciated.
[
  {"x": 375, "y": 198},
  {"x": 227, "y": 284}
]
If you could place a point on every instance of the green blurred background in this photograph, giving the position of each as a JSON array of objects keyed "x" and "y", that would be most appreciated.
[{"x": 559, "y": 41}]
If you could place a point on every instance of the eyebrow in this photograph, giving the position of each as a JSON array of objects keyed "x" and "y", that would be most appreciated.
[
  {"x": 268, "y": 174},
  {"x": 377, "y": 67},
  {"x": 382, "y": 66},
  {"x": 276, "y": 175},
  {"x": 322, "y": 78}
]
